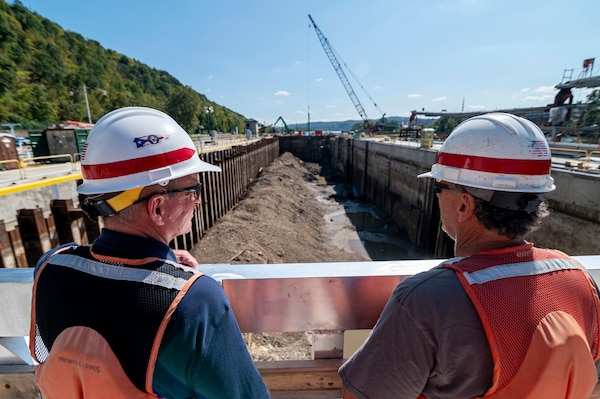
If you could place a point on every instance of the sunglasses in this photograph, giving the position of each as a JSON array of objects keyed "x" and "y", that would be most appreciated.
[
  {"x": 439, "y": 186},
  {"x": 194, "y": 192}
]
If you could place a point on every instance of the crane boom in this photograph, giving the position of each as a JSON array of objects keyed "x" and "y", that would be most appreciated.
[
  {"x": 287, "y": 129},
  {"x": 340, "y": 72}
]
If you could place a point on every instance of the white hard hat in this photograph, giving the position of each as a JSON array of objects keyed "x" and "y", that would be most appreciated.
[
  {"x": 134, "y": 147},
  {"x": 496, "y": 151}
]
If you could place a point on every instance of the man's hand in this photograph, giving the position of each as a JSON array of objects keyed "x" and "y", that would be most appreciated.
[{"x": 185, "y": 258}]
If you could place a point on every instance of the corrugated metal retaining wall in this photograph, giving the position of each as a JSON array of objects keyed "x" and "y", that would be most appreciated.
[{"x": 36, "y": 234}]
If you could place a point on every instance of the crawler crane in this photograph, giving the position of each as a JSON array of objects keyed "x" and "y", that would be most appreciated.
[{"x": 370, "y": 126}]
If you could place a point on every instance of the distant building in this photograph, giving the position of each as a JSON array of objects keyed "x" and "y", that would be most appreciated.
[{"x": 252, "y": 125}]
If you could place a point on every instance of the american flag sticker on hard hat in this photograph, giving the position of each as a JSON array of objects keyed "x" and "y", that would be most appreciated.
[{"x": 146, "y": 140}]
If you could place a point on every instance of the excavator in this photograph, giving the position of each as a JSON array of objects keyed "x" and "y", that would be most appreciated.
[{"x": 272, "y": 127}]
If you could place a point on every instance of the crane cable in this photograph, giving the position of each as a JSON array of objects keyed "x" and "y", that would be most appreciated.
[
  {"x": 356, "y": 79},
  {"x": 342, "y": 62},
  {"x": 308, "y": 33}
]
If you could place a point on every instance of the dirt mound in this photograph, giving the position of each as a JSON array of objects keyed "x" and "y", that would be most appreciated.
[{"x": 281, "y": 219}]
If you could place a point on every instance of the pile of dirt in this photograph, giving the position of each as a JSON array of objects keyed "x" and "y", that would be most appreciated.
[{"x": 281, "y": 219}]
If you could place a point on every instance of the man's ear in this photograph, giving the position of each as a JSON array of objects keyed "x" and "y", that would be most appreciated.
[
  {"x": 155, "y": 209},
  {"x": 466, "y": 207}
]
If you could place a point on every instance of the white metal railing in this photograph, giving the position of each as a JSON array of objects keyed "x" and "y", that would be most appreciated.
[{"x": 300, "y": 297}]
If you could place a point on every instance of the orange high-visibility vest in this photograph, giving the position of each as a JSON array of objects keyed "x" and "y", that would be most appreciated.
[
  {"x": 540, "y": 312},
  {"x": 104, "y": 340}
]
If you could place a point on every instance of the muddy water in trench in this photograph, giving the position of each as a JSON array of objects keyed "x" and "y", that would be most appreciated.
[{"x": 364, "y": 228}]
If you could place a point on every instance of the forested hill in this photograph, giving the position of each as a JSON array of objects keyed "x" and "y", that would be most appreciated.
[{"x": 43, "y": 70}]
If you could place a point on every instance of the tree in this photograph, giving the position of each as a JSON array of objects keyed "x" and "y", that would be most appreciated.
[
  {"x": 184, "y": 107},
  {"x": 445, "y": 125},
  {"x": 43, "y": 69},
  {"x": 592, "y": 114},
  {"x": 40, "y": 109}
]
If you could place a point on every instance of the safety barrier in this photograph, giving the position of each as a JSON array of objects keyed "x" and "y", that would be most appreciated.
[
  {"x": 25, "y": 163},
  {"x": 582, "y": 159},
  {"x": 338, "y": 302}
]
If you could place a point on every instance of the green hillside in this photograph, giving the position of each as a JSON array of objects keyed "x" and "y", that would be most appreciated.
[{"x": 44, "y": 68}]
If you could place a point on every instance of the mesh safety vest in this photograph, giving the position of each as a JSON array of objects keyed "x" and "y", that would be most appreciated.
[
  {"x": 540, "y": 312},
  {"x": 97, "y": 322}
]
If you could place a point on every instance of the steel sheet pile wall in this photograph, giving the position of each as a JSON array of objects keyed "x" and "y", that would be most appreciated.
[
  {"x": 37, "y": 233},
  {"x": 307, "y": 148},
  {"x": 222, "y": 191}
]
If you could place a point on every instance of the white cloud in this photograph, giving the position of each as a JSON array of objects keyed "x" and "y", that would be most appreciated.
[
  {"x": 282, "y": 93},
  {"x": 476, "y": 107},
  {"x": 435, "y": 100},
  {"x": 414, "y": 95},
  {"x": 318, "y": 79},
  {"x": 539, "y": 98},
  {"x": 546, "y": 89}
]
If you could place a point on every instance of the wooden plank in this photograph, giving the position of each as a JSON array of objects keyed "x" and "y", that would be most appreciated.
[
  {"x": 301, "y": 375},
  {"x": 327, "y": 394}
]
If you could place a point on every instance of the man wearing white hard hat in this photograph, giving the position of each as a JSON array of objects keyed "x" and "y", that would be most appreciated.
[
  {"x": 127, "y": 317},
  {"x": 503, "y": 319}
]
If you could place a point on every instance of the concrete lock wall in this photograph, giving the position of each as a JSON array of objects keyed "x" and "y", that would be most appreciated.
[{"x": 386, "y": 175}]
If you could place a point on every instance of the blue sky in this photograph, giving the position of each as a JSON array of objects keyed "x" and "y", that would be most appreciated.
[{"x": 263, "y": 59}]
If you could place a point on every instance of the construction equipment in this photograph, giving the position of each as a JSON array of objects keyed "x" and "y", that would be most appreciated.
[
  {"x": 370, "y": 126},
  {"x": 270, "y": 128},
  {"x": 287, "y": 129}
]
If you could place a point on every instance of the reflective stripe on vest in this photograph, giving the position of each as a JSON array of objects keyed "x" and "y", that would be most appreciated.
[
  {"x": 519, "y": 270},
  {"x": 105, "y": 270}
]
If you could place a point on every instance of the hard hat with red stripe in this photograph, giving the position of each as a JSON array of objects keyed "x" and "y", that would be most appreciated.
[
  {"x": 135, "y": 147},
  {"x": 496, "y": 151}
]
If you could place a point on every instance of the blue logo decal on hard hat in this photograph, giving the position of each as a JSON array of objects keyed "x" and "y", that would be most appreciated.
[{"x": 147, "y": 140}]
